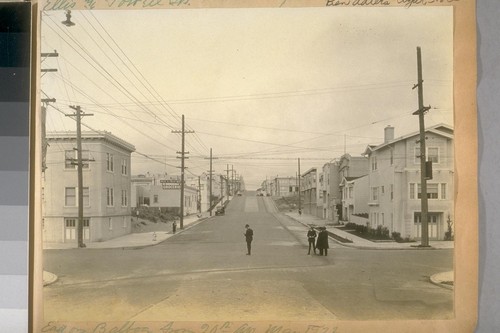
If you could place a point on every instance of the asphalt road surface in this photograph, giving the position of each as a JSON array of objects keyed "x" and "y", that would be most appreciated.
[{"x": 204, "y": 274}]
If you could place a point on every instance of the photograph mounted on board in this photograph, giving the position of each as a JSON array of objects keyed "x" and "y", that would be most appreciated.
[{"x": 248, "y": 165}]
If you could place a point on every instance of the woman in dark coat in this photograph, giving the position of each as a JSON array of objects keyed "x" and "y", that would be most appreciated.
[{"x": 322, "y": 242}]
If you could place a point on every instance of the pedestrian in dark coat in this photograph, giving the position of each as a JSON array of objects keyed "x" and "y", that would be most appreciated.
[
  {"x": 322, "y": 242},
  {"x": 249, "y": 237},
  {"x": 311, "y": 237}
]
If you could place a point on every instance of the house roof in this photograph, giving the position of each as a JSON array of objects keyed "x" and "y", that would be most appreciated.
[
  {"x": 88, "y": 136},
  {"x": 350, "y": 179},
  {"x": 439, "y": 129},
  {"x": 309, "y": 171}
]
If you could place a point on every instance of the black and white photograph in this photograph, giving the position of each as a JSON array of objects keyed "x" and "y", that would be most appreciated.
[{"x": 247, "y": 164}]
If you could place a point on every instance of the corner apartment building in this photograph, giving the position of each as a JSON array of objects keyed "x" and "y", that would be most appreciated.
[
  {"x": 394, "y": 182},
  {"x": 106, "y": 187}
]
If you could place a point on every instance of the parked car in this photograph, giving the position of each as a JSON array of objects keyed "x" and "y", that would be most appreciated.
[{"x": 220, "y": 211}]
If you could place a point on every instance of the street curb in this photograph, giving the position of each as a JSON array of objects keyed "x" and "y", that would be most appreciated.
[
  {"x": 434, "y": 280},
  {"x": 368, "y": 247},
  {"x": 49, "y": 278},
  {"x": 138, "y": 247}
]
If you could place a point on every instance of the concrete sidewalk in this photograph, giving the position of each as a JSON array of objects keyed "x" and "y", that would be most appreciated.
[
  {"x": 133, "y": 240},
  {"x": 361, "y": 243}
]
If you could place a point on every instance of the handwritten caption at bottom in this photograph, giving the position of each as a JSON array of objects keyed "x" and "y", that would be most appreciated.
[
  {"x": 172, "y": 327},
  {"x": 406, "y": 3}
]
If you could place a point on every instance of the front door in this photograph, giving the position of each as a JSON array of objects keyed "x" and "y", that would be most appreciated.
[
  {"x": 434, "y": 222},
  {"x": 70, "y": 230}
]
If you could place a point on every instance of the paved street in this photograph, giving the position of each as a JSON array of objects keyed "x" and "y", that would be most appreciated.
[{"x": 204, "y": 274}]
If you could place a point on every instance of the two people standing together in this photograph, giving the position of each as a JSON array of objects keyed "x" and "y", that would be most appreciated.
[{"x": 321, "y": 243}]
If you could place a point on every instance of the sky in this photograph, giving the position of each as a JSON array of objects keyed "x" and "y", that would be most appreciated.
[{"x": 261, "y": 87}]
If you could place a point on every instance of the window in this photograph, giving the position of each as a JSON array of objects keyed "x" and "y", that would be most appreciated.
[
  {"x": 124, "y": 222},
  {"x": 382, "y": 190},
  {"x": 432, "y": 191},
  {"x": 392, "y": 192},
  {"x": 70, "y": 223},
  {"x": 86, "y": 197},
  {"x": 433, "y": 154},
  {"x": 124, "y": 198},
  {"x": 432, "y": 218},
  {"x": 71, "y": 159},
  {"x": 412, "y": 190},
  {"x": 109, "y": 162},
  {"x": 124, "y": 167},
  {"x": 155, "y": 198},
  {"x": 443, "y": 191},
  {"x": 110, "y": 222},
  {"x": 382, "y": 218},
  {"x": 374, "y": 193},
  {"x": 70, "y": 196},
  {"x": 109, "y": 196},
  {"x": 417, "y": 155},
  {"x": 350, "y": 190},
  {"x": 374, "y": 163}
]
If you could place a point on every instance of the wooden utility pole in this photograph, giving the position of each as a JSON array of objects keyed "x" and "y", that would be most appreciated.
[
  {"x": 300, "y": 201},
  {"x": 199, "y": 194},
  {"x": 423, "y": 177},
  {"x": 221, "y": 186},
  {"x": 232, "y": 179},
  {"x": 211, "y": 171},
  {"x": 182, "y": 157},
  {"x": 227, "y": 180},
  {"x": 78, "y": 115}
]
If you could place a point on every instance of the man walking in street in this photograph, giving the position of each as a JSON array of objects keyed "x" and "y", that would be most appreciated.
[
  {"x": 311, "y": 237},
  {"x": 249, "y": 237}
]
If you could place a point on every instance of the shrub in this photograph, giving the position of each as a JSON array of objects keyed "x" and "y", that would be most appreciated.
[{"x": 396, "y": 236}]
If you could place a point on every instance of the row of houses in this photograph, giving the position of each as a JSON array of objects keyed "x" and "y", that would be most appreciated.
[
  {"x": 382, "y": 186},
  {"x": 111, "y": 193}
]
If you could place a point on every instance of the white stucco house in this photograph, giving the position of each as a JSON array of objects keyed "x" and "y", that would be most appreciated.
[
  {"x": 106, "y": 187},
  {"x": 394, "y": 182}
]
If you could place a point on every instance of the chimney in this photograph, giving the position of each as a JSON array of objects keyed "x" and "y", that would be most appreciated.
[{"x": 388, "y": 133}]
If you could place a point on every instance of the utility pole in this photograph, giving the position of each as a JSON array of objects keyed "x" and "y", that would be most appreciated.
[
  {"x": 300, "y": 202},
  {"x": 199, "y": 194},
  {"x": 236, "y": 183},
  {"x": 227, "y": 180},
  {"x": 210, "y": 177},
  {"x": 221, "y": 186},
  {"x": 210, "y": 173},
  {"x": 78, "y": 115},
  {"x": 423, "y": 177},
  {"x": 232, "y": 178},
  {"x": 182, "y": 157},
  {"x": 45, "y": 103}
]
